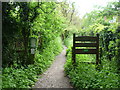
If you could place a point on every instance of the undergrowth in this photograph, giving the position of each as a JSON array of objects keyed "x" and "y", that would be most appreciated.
[
  {"x": 68, "y": 41},
  {"x": 84, "y": 75},
  {"x": 18, "y": 76}
]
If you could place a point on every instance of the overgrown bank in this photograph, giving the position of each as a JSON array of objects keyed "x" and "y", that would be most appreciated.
[
  {"x": 23, "y": 23},
  {"x": 84, "y": 75},
  {"x": 32, "y": 33},
  {"x": 106, "y": 23},
  {"x": 17, "y": 76}
]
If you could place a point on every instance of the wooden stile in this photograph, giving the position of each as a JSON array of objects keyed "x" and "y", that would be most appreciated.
[
  {"x": 85, "y": 51},
  {"x": 85, "y": 38},
  {"x": 73, "y": 50},
  {"x": 85, "y": 44},
  {"x": 97, "y": 54}
]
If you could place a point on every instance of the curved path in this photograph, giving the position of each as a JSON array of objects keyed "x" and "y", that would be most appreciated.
[{"x": 54, "y": 77}]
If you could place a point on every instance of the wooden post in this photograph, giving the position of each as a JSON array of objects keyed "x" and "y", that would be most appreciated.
[
  {"x": 97, "y": 54},
  {"x": 100, "y": 54},
  {"x": 85, "y": 51},
  {"x": 73, "y": 50}
]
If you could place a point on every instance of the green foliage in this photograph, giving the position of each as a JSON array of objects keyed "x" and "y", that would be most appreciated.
[
  {"x": 0, "y": 79},
  {"x": 97, "y": 28},
  {"x": 45, "y": 58},
  {"x": 21, "y": 21},
  {"x": 68, "y": 41},
  {"x": 84, "y": 75},
  {"x": 106, "y": 75},
  {"x": 18, "y": 76},
  {"x": 100, "y": 22}
]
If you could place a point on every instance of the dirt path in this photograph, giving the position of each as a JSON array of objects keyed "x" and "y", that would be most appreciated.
[{"x": 54, "y": 77}]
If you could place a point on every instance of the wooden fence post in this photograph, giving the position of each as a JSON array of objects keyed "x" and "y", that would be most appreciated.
[
  {"x": 97, "y": 54},
  {"x": 100, "y": 55},
  {"x": 73, "y": 50}
]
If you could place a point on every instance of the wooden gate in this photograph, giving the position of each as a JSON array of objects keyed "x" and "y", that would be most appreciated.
[{"x": 93, "y": 42}]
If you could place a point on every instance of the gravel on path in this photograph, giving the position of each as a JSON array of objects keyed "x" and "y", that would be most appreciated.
[{"x": 55, "y": 77}]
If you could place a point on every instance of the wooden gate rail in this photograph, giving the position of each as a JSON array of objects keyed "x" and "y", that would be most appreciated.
[{"x": 91, "y": 39}]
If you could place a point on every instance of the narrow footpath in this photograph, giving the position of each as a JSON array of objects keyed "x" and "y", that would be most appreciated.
[{"x": 55, "y": 77}]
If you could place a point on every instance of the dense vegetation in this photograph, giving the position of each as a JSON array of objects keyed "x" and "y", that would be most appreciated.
[
  {"x": 21, "y": 22},
  {"x": 83, "y": 75},
  {"x": 43, "y": 22},
  {"x": 50, "y": 24}
]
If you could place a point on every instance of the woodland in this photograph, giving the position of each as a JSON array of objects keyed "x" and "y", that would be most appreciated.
[{"x": 33, "y": 33}]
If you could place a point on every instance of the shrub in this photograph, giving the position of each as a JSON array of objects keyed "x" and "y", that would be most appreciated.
[
  {"x": 18, "y": 76},
  {"x": 84, "y": 75}
]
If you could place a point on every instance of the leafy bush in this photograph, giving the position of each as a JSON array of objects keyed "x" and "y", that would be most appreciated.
[
  {"x": 18, "y": 76},
  {"x": 84, "y": 75},
  {"x": 96, "y": 22},
  {"x": 44, "y": 59},
  {"x": 38, "y": 20},
  {"x": 68, "y": 41}
]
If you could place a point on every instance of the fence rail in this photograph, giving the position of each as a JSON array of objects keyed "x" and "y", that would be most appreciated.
[{"x": 85, "y": 51}]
